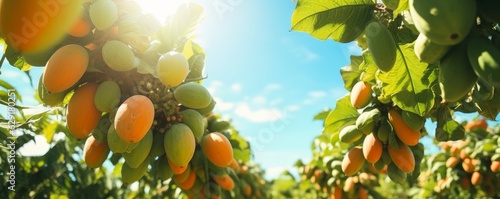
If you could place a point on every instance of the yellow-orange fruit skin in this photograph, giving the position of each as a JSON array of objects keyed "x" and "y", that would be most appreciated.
[
  {"x": 95, "y": 152},
  {"x": 372, "y": 148},
  {"x": 31, "y": 26},
  {"x": 175, "y": 168},
  {"x": 337, "y": 193},
  {"x": 467, "y": 165},
  {"x": 83, "y": 116},
  {"x": 134, "y": 118},
  {"x": 65, "y": 68},
  {"x": 451, "y": 162},
  {"x": 248, "y": 190},
  {"x": 363, "y": 194},
  {"x": 218, "y": 149},
  {"x": 361, "y": 94},
  {"x": 476, "y": 178},
  {"x": 481, "y": 124},
  {"x": 403, "y": 131},
  {"x": 495, "y": 166},
  {"x": 189, "y": 182},
  {"x": 235, "y": 165},
  {"x": 80, "y": 28},
  {"x": 353, "y": 161},
  {"x": 225, "y": 182},
  {"x": 402, "y": 157}
]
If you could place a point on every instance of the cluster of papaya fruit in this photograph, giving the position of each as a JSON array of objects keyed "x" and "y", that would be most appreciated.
[
  {"x": 132, "y": 86},
  {"x": 470, "y": 166}
]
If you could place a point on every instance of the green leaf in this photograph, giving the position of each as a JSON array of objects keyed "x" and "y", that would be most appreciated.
[
  {"x": 368, "y": 67},
  {"x": 242, "y": 154},
  {"x": 342, "y": 20},
  {"x": 402, "y": 6},
  {"x": 447, "y": 128},
  {"x": 49, "y": 131},
  {"x": 16, "y": 59},
  {"x": 322, "y": 115},
  {"x": 9, "y": 89},
  {"x": 344, "y": 114},
  {"x": 350, "y": 73},
  {"x": 409, "y": 83}
]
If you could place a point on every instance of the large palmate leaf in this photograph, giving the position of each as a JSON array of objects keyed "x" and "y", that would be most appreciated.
[
  {"x": 350, "y": 73},
  {"x": 341, "y": 20},
  {"x": 409, "y": 83},
  {"x": 344, "y": 114}
]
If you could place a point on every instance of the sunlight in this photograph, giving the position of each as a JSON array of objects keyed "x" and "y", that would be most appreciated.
[{"x": 161, "y": 8}]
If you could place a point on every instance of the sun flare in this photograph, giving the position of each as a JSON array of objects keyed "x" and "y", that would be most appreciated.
[{"x": 161, "y": 8}]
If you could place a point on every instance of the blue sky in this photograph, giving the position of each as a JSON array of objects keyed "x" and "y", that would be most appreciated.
[{"x": 268, "y": 80}]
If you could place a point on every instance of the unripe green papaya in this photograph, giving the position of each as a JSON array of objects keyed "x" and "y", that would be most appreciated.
[
  {"x": 379, "y": 165},
  {"x": 396, "y": 174},
  {"x": 428, "y": 51},
  {"x": 141, "y": 152},
  {"x": 456, "y": 76},
  {"x": 130, "y": 175},
  {"x": 414, "y": 121},
  {"x": 179, "y": 144},
  {"x": 116, "y": 144},
  {"x": 484, "y": 58},
  {"x": 197, "y": 165},
  {"x": 381, "y": 45},
  {"x": 164, "y": 170},
  {"x": 157, "y": 148},
  {"x": 445, "y": 22},
  {"x": 384, "y": 130},
  {"x": 207, "y": 110},
  {"x": 218, "y": 126},
  {"x": 51, "y": 99},
  {"x": 367, "y": 120},
  {"x": 386, "y": 157},
  {"x": 193, "y": 95},
  {"x": 350, "y": 134},
  {"x": 107, "y": 96},
  {"x": 489, "y": 9},
  {"x": 38, "y": 58},
  {"x": 194, "y": 120}
]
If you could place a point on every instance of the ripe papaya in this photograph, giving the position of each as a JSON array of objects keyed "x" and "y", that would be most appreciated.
[
  {"x": 396, "y": 174},
  {"x": 235, "y": 165},
  {"x": 428, "y": 51},
  {"x": 445, "y": 22},
  {"x": 495, "y": 166},
  {"x": 456, "y": 76},
  {"x": 107, "y": 96},
  {"x": 476, "y": 178},
  {"x": 218, "y": 149},
  {"x": 172, "y": 69},
  {"x": 182, "y": 177},
  {"x": 414, "y": 121},
  {"x": 164, "y": 170},
  {"x": 103, "y": 14},
  {"x": 367, "y": 120},
  {"x": 80, "y": 28},
  {"x": 51, "y": 99},
  {"x": 57, "y": 76},
  {"x": 157, "y": 148},
  {"x": 193, "y": 95},
  {"x": 476, "y": 124},
  {"x": 381, "y": 45},
  {"x": 225, "y": 182},
  {"x": 361, "y": 94},
  {"x": 95, "y": 152},
  {"x": 218, "y": 126},
  {"x": 207, "y": 110},
  {"x": 134, "y": 118},
  {"x": 118, "y": 56},
  {"x": 189, "y": 183},
  {"x": 349, "y": 185},
  {"x": 372, "y": 148},
  {"x": 403, "y": 157},
  {"x": 353, "y": 161},
  {"x": 407, "y": 135},
  {"x": 116, "y": 144},
  {"x": 83, "y": 117},
  {"x": 451, "y": 162},
  {"x": 194, "y": 120},
  {"x": 130, "y": 175},
  {"x": 484, "y": 58},
  {"x": 179, "y": 143},
  {"x": 467, "y": 165},
  {"x": 141, "y": 152},
  {"x": 176, "y": 168}
]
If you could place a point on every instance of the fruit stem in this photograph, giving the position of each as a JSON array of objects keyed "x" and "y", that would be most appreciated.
[{"x": 196, "y": 79}]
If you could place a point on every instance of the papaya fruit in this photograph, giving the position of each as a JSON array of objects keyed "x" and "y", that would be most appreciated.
[
  {"x": 134, "y": 118},
  {"x": 451, "y": 162},
  {"x": 367, "y": 120},
  {"x": 379, "y": 165},
  {"x": 444, "y": 22},
  {"x": 35, "y": 27},
  {"x": 225, "y": 182},
  {"x": 189, "y": 183},
  {"x": 467, "y": 165},
  {"x": 488, "y": 9},
  {"x": 235, "y": 165},
  {"x": 428, "y": 51},
  {"x": 80, "y": 28},
  {"x": 193, "y": 95},
  {"x": 141, "y": 152},
  {"x": 164, "y": 170},
  {"x": 116, "y": 144},
  {"x": 484, "y": 58},
  {"x": 179, "y": 143},
  {"x": 495, "y": 166},
  {"x": 363, "y": 194},
  {"x": 83, "y": 117},
  {"x": 372, "y": 148},
  {"x": 103, "y": 13},
  {"x": 395, "y": 174},
  {"x": 172, "y": 68},
  {"x": 414, "y": 121},
  {"x": 349, "y": 185},
  {"x": 465, "y": 183},
  {"x": 218, "y": 149},
  {"x": 353, "y": 161},
  {"x": 207, "y": 110},
  {"x": 118, "y": 56},
  {"x": 381, "y": 45},
  {"x": 218, "y": 126},
  {"x": 384, "y": 130},
  {"x": 456, "y": 75},
  {"x": 476, "y": 178},
  {"x": 350, "y": 134},
  {"x": 57, "y": 76},
  {"x": 476, "y": 124},
  {"x": 51, "y": 99},
  {"x": 182, "y": 177},
  {"x": 176, "y": 168},
  {"x": 39, "y": 58},
  {"x": 407, "y": 135},
  {"x": 107, "y": 96},
  {"x": 194, "y": 120},
  {"x": 157, "y": 148},
  {"x": 95, "y": 152},
  {"x": 361, "y": 94},
  {"x": 402, "y": 157},
  {"x": 130, "y": 175}
]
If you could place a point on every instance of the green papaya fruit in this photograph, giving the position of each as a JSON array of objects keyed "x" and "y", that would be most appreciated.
[
  {"x": 218, "y": 126},
  {"x": 107, "y": 96},
  {"x": 51, "y": 99},
  {"x": 414, "y": 121},
  {"x": 489, "y": 9},
  {"x": 194, "y": 120},
  {"x": 384, "y": 130},
  {"x": 179, "y": 143},
  {"x": 101, "y": 132},
  {"x": 444, "y": 22},
  {"x": 116, "y": 144},
  {"x": 157, "y": 148},
  {"x": 164, "y": 170},
  {"x": 197, "y": 164},
  {"x": 386, "y": 157},
  {"x": 379, "y": 165},
  {"x": 193, "y": 95},
  {"x": 428, "y": 51},
  {"x": 456, "y": 76},
  {"x": 367, "y": 120},
  {"x": 484, "y": 58},
  {"x": 381, "y": 45},
  {"x": 396, "y": 174},
  {"x": 207, "y": 110},
  {"x": 350, "y": 134},
  {"x": 141, "y": 152},
  {"x": 130, "y": 175}
]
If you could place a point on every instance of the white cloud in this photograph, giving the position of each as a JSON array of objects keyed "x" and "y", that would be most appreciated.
[
  {"x": 223, "y": 106},
  {"x": 214, "y": 85},
  {"x": 272, "y": 87},
  {"x": 259, "y": 99},
  {"x": 257, "y": 115},
  {"x": 293, "y": 108},
  {"x": 236, "y": 87},
  {"x": 317, "y": 94},
  {"x": 35, "y": 149}
]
